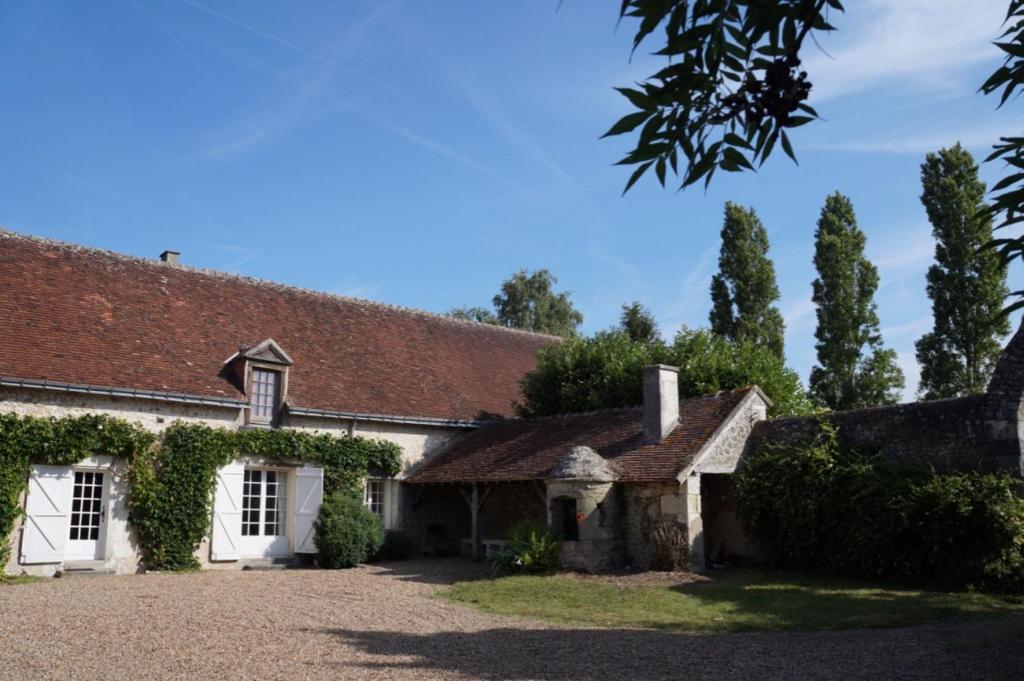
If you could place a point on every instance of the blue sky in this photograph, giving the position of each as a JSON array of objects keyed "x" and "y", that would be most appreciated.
[{"x": 418, "y": 153}]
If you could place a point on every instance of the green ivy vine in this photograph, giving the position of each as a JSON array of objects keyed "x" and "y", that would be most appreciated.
[
  {"x": 61, "y": 442},
  {"x": 171, "y": 477}
]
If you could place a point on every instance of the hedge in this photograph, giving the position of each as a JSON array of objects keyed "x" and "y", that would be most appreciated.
[{"x": 825, "y": 507}]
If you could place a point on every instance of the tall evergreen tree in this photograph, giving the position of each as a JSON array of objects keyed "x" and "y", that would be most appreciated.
[
  {"x": 854, "y": 370},
  {"x": 744, "y": 290},
  {"x": 967, "y": 285},
  {"x": 638, "y": 323}
]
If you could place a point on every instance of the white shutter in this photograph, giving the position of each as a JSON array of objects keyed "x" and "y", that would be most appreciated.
[
  {"x": 309, "y": 492},
  {"x": 46, "y": 514},
  {"x": 227, "y": 513}
]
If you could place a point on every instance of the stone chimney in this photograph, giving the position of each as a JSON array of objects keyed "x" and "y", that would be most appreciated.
[
  {"x": 661, "y": 401},
  {"x": 170, "y": 257}
]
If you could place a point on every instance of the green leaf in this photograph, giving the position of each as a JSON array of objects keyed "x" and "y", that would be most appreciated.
[
  {"x": 627, "y": 123},
  {"x": 637, "y": 174},
  {"x": 787, "y": 147}
]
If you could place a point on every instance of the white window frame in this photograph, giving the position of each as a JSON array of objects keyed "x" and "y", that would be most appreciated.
[
  {"x": 278, "y": 387},
  {"x": 281, "y": 500},
  {"x": 386, "y": 487}
]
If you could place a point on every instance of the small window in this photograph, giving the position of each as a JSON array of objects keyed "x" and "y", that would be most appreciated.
[
  {"x": 374, "y": 498},
  {"x": 263, "y": 401},
  {"x": 564, "y": 520}
]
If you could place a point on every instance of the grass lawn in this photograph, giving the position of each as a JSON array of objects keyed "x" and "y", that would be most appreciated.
[{"x": 741, "y": 600}]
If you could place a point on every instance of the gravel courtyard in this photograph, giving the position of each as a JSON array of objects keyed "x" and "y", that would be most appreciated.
[{"x": 380, "y": 622}]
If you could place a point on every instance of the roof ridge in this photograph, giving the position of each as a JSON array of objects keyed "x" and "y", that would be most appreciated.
[
  {"x": 605, "y": 410},
  {"x": 264, "y": 283}
]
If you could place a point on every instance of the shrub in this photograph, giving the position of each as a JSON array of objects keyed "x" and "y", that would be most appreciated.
[
  {"x": 671, "y": 547},
  {"x": 398, "y": 545},
  {"x": 530, "y": 548},
  {"x": 822, "y": 506},
  {"x": 347, "y": 533}
]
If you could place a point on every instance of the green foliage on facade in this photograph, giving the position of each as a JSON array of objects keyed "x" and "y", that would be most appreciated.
[
  {"x": 967, "y": 283},
  {"x": 347, "y": 533},
  {"x": 820, "y": 506},
  {"x": 527, "y": 300},
  {"x": 854, "y": 370},
  {"x": 171, "y": 497},
  {"x": 744, "y": 291},
  {"x": 61, "y": 442},
  {"x": 172, "y": 477},
  {"x": 604, "y": 371}
]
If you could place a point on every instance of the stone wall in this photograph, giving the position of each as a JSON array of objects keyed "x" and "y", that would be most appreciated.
[
  {"x": 600, "y": 545},
  {"x": 944, "y": 434},
  {"x": 978, "y": 432}
]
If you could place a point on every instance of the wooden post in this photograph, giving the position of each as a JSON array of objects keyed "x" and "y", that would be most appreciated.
[{"x": 474, "y": 509}]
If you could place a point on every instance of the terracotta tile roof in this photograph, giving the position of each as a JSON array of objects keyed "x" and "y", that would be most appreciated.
[
  {"x": 77, "y": 315},
  {"x": 527, "y": 449}
]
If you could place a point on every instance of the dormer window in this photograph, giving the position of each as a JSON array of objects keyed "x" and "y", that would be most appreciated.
[
  {"x": 264, "y": 396},
  {"x": 261, "y": 371}
]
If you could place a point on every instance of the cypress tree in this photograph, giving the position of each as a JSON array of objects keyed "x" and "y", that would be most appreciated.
[
  {"x": 854, "y": 370},
  {"x": 744, "y": 290},
  {"x": 966, "y": 284},
  {"x": 638, "y": 323}
]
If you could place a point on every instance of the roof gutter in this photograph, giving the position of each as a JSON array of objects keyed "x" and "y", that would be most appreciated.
[
  {"x": 86, "y": 389},
  {"x": 201, "y": 400},
  {"x": 383, "y": 418}
]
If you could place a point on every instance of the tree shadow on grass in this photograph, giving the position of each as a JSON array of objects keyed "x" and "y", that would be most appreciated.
[
  {"x": 782, "y": 600},
  {"x": 979, "y": 650}
]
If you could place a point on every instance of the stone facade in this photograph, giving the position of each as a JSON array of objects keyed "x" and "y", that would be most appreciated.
[
  {"x": 978, "y": 432},
  {"x": 418, "y": 443}
]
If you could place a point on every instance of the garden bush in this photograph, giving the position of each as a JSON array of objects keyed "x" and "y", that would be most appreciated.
[
  {"x": 822, "y": 506},
  {"x": 530, "y": 548},
  {"x": 398, "y": 545},
  {"x": 347, "y": 533}
]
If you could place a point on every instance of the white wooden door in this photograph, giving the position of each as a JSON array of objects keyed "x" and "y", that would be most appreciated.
[
  {"x": 88, "y": 516},
  {"x": 309, "y": 494},
  {"x": 227, "y": 513},
  {"x": 264, "y": 513},
  {"x": 47, "y": 506}
]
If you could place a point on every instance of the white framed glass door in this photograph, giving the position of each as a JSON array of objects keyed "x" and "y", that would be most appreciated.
[
  {"x": 264, "y": 502},
  {"x": 85, "y": 526}
]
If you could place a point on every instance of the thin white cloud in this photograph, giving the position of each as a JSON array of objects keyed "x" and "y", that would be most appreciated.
[
  {"x": 693, "y": 297},
  {"x": 437, "y": 147},
  {"x": 968, "y": 135},
  {"x": 252, "y": 129},
  {"x": 919, "y": 43},
  {"x": 902, "y": 256},
  {"x": 907, "y": 361},
  {"x": 797, "y": 315},
  {"x": 297, "y": 49},
  {"x": 913, "y": 329},
  {"x": 240, "y": 256}
]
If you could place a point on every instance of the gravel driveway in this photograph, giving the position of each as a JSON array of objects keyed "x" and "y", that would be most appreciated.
[{"x": 379, "y": 622}]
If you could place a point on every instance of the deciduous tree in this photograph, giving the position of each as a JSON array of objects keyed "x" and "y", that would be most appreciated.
[
  {"x": 967, "y": 284},
  {"x": 527, "y": 301},
  {"x": 854, "y": 370},
  {"x": 744, "y": 290}
]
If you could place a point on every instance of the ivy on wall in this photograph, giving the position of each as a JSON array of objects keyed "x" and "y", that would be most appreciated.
[
  {"x": 61, "y": 442},
  {"x": 171, "y": 478}
]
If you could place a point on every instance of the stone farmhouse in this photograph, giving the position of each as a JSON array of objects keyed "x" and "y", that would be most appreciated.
[{"x": 90, "y": 331}]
